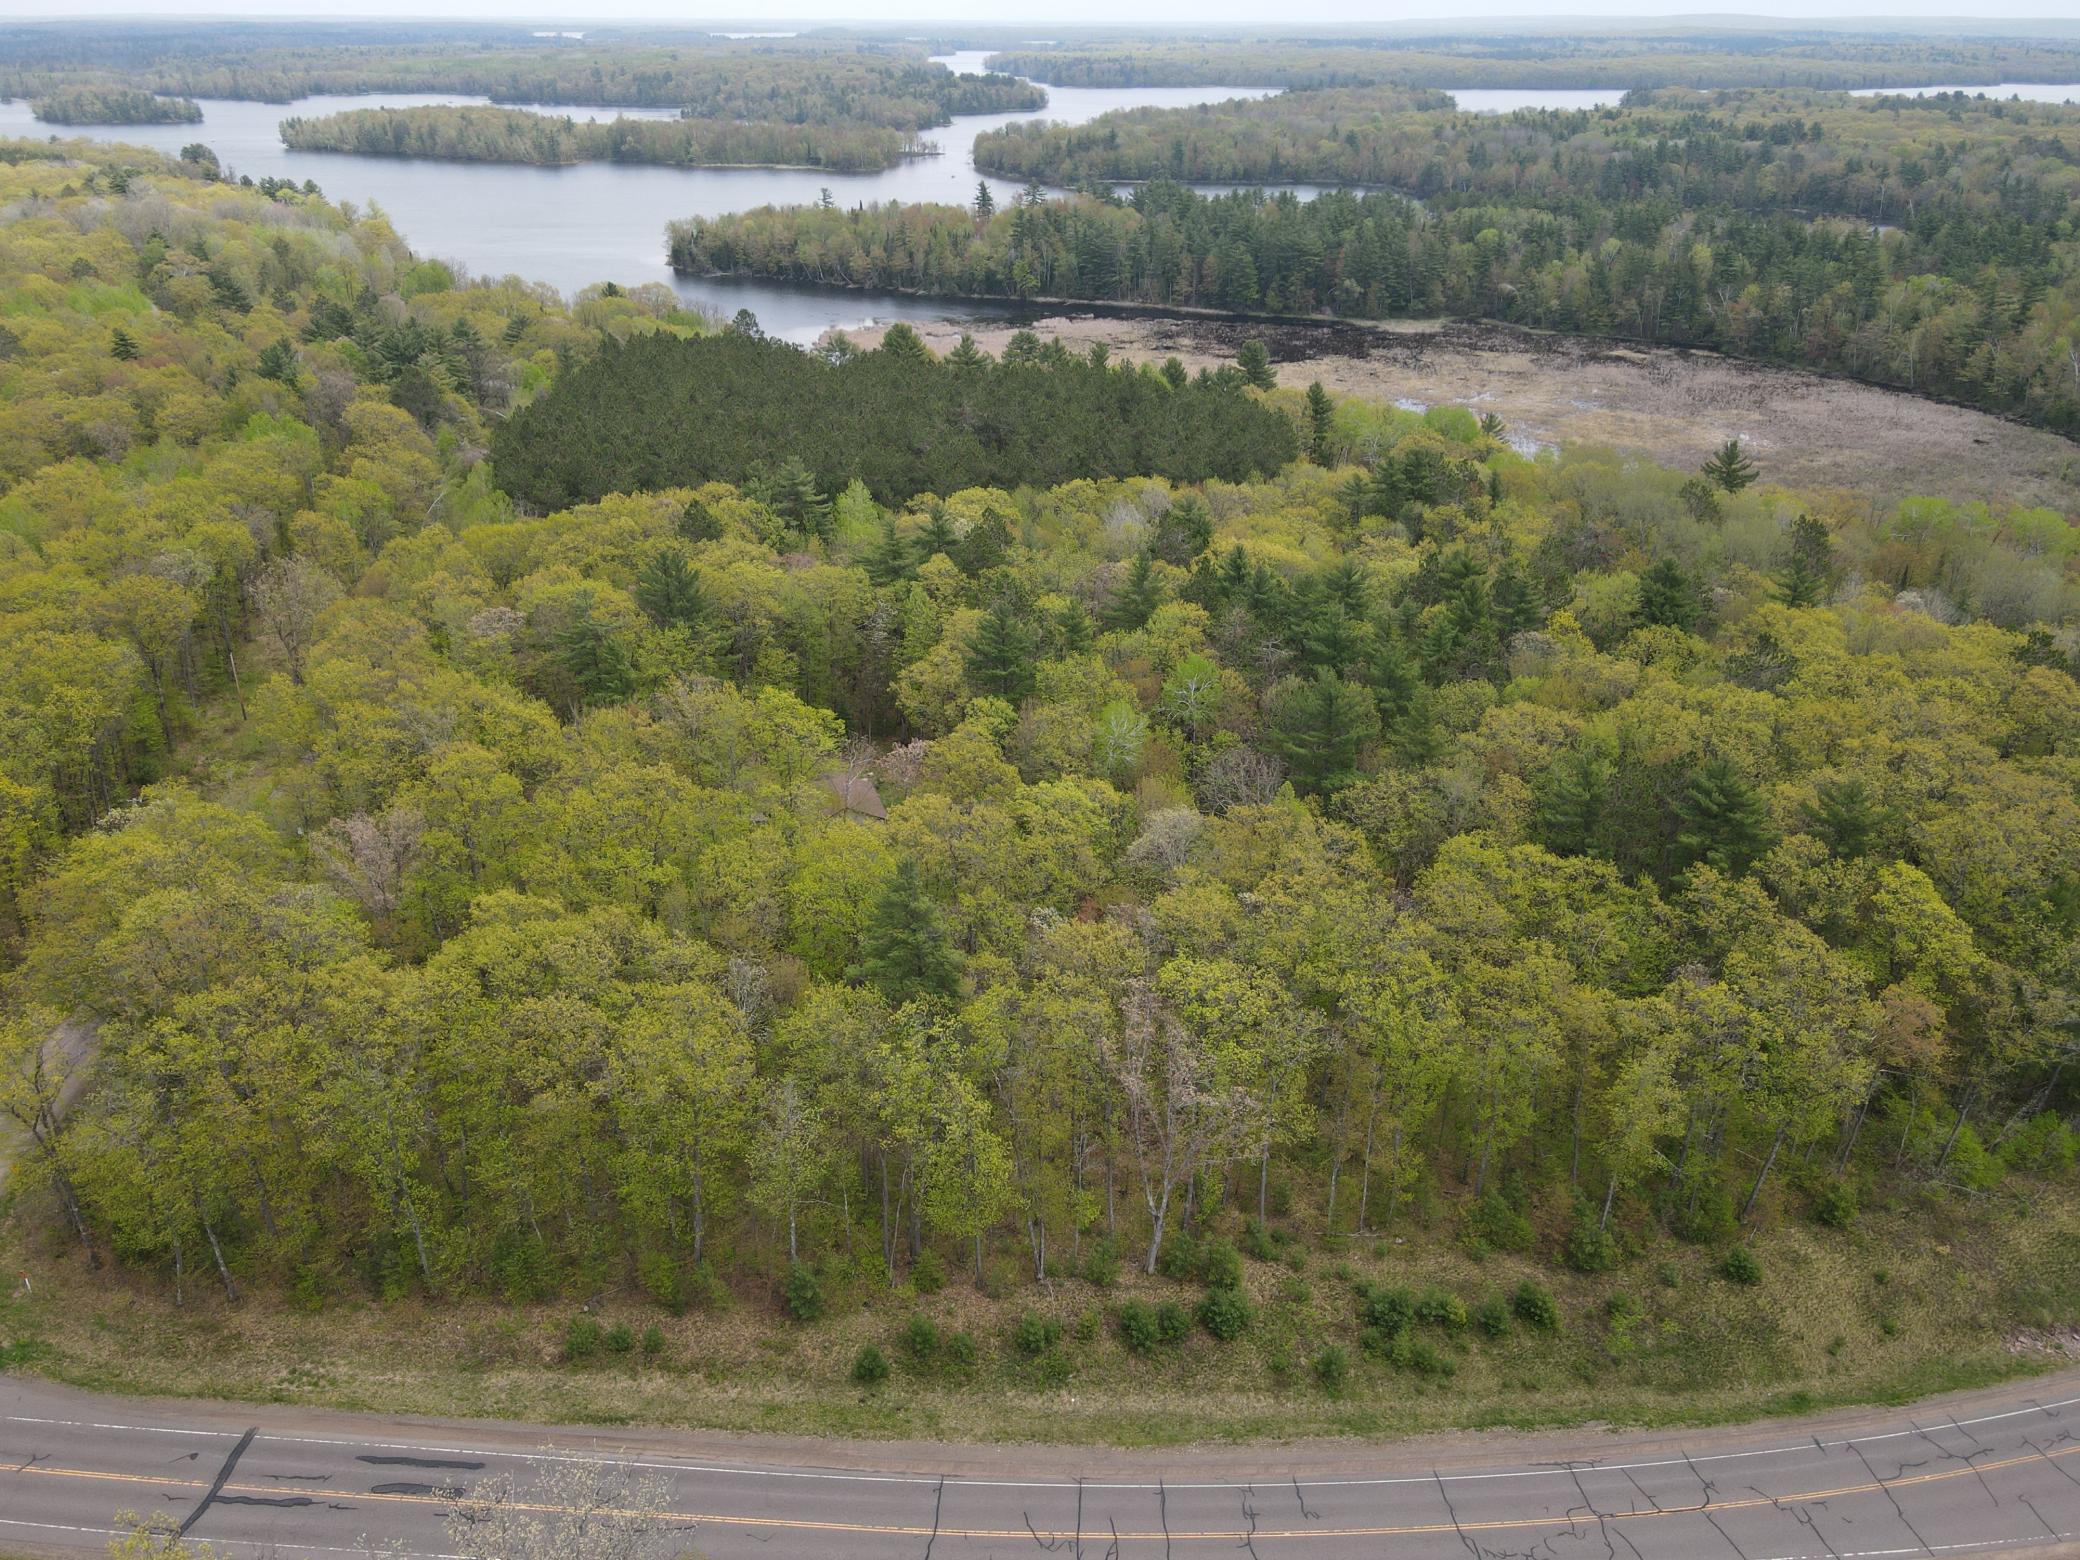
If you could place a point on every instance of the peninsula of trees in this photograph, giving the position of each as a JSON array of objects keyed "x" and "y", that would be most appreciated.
[
  {"x": 1886, "y": 161},
  {"x": 1916, "y": 243},
  {"x": 510, "y": 135}
]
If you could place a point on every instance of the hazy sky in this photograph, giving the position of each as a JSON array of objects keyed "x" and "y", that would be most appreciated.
[{"x": 1037, "y": 13}]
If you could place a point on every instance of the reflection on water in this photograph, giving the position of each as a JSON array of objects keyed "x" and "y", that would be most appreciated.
[{"x": 595, "y": 222}]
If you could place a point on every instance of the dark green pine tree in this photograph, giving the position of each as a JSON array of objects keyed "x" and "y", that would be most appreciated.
[
  {"x": 902, "y": 342},
  {"x": 1844, "y": 817},
  {"x": 1000, "y": 656},
  {"x": 670, "y": 592},
  {"x": 1137, "y": 597},
  {"x": 799, "y": 501},
  {"x": 966, "y": 357},
  {"x": 985, "y": 203},
  {"x": 1808, "y": 573},
  {"x": 1183, "y": 532},
  {"x": 1728, "y": 468},
  {"x": 1389, "y": 488},
  {"x": 1356, "y": 497},
  {"x": 937, "y": 536},
  {"x": 1511, "y": 600},
  {"x": 1254, "y": 359},
  {"x": 697, "y": 523},
  {"x": 1175, "y": 374},
  {"x": 1072, "y": 630},
  {"x": 278, "y": 362},
  {"x": 1325, "y": 634},
  {"x": 1720, "y": 819},
  {"x": 1321, "y": 417},
  {"x": 1570, "y": 804},
  {"x": 598, "y": 662},
  {"x": 122, "y": 346},
  {"x": 1318, "y": 727},
  {"x": 1393, "y": 676},
  {"x": 1668, "y": 598},
  {"x": 904, "y": 953},
  {"x": 891, "y": 558},
  {"x": 986, "y": 546}
]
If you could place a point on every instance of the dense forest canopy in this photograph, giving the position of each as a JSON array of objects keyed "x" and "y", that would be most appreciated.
[
  {"x": 1415, "y": 826},
  {"x": 663, "y": 413},
  {"x": 511, "y": 135},
  {"x": 1674, "y": 57}
]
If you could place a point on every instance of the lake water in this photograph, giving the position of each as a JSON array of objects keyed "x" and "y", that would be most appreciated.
[
  {"x": 596, "y": 222},
  {"x": 2028, "y": 91}
]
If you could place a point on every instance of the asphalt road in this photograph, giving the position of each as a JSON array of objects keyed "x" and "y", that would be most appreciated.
[{"x": 1988, "y": 1472}]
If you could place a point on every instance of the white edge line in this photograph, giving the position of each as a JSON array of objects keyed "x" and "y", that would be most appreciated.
[{"x": 1558, "y": 1469}]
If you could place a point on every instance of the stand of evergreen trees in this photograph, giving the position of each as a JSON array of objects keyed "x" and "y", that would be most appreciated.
[{"x": 660, "y": 412}]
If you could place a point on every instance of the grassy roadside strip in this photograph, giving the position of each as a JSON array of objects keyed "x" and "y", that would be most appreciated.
[{"x": 1872, "y": 1315}]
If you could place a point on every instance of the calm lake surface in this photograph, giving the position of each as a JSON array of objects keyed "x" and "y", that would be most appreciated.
[
  {"x": 596, "y": 222},
  {"x": 2028, "y": 91}
]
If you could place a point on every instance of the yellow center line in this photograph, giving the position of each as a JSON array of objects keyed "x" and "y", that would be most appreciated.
[{"x": 1217, "y": 1535}]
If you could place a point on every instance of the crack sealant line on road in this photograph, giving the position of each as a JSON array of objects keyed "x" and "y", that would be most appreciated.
[
  {"x": 223, "y": 1474},
  {"x": 838, "y": 1475},
  {"x": 1228, "y": 1536}
]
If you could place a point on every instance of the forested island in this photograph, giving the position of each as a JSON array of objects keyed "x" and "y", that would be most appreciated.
[
  {"x": 510, "y": 135},
  {"x": 1268, "y": 895},
  {"x": 113, "y": 106},
  {"x": 1671, "y": 220}
]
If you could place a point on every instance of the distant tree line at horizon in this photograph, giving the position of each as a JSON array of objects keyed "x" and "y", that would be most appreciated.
[
  {"x": 1676, "y": 57},
  {"x": 799, "y": 82},
  {"x": 511, "y": 135}
]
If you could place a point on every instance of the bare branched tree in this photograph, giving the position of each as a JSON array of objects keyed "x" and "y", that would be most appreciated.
[
  {"x": 288, "y": 596},
  {"x": 370, "y": 857},
  {"x": 1180, "y": 1118}
]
